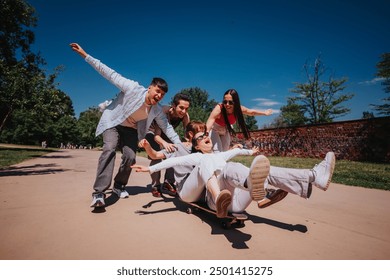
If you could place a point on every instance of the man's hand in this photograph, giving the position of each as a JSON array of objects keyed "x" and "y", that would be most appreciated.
[
  {"x": 169, "y": 147},
  {"x": 78, "y": 49},
  {"x": 143, "y": 143}
]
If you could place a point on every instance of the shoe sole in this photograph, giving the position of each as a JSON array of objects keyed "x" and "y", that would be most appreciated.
[
  {"x": 258, "y": 173},
  {"x": 277, "y": 196},
  {"x": 332, "y": 166},
  {"x": 223, "y": 201},
  {"x": 98, "y": 204}
]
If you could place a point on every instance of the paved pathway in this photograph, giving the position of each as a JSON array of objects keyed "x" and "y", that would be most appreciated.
[{"x": 45, "y": 214}]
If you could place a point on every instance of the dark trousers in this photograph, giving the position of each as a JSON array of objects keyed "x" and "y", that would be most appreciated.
[{"x": 156, "y": 176}]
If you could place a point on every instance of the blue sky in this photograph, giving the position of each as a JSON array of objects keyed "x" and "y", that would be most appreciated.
[{"x": 257, "y": 47}]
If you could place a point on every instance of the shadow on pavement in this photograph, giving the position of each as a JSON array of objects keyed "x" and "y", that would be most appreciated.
[{"x": 36, "y": 169}]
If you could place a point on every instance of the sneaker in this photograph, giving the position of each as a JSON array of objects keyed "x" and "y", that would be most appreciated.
[
  {"x": 156, "y": 190},
  {"x": 258, "y": 173},
  {"x": 120, "y": 192},
  {"x": 323, "y": 171},
  {"x": 223, "y": 201},
  {"x": 272, "y": 197},
  {"x": 169, "y": 188},
  {"x": 98, "y": 200}
]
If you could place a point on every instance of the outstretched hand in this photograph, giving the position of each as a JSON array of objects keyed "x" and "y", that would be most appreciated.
[
  {"x": 255, "y": 150},
  {"x": 268, "y": 112},
  {"x": 78, "y": 49},
  {"x": 140, "y": 168}
]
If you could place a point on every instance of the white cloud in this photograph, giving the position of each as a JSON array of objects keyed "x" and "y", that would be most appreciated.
[
  {"x": 372, "y": 82},
  {"x": 266, "y": 102}
]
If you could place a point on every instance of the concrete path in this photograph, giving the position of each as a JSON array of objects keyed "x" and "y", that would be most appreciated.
[{"x": 45, "y": 214}]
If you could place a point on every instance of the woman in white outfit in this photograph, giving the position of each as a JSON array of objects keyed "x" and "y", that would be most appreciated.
[
  {"x": 233, "y": 176},
  {"x": 207, "y": 166}
]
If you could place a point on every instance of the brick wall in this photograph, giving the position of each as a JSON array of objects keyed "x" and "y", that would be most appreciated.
[{"x": 358, "y": 140}]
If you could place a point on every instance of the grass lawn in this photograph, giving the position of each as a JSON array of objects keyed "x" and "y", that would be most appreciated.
[
  {"x": 352, "y": 173},
  {"x": 10, "y": 155}
]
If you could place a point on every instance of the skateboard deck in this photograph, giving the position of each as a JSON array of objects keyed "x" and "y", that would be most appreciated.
[{"x": 237, "y": 219}]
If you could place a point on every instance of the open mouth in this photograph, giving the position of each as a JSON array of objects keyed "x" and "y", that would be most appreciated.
[{"x": 207, "y": 141}]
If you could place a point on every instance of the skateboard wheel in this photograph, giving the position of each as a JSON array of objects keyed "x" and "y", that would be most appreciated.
[{"x": 189, "y": 211}]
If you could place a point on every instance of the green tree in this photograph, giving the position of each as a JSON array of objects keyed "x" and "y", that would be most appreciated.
[
  {"x": 87, "y": 124},
  {"x": 201, "y": 106},
  {"x": 18, "y": 64},
  {"x": 292, "y": 114},
  {"x": 383, "y": 67},
  {"x": 320, "y": 101},
  {"x": 32, "y": 108}
]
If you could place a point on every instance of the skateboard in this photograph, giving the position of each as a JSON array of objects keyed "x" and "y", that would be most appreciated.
[{"x": 236, "y": 219}]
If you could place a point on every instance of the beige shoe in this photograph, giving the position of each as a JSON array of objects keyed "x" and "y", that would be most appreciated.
[
  {"x": 223, "y": 201},
  {"x": 258, "y": 173}
]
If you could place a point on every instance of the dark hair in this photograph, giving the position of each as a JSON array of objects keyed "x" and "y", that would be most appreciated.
[
  {"x": 237, "y": 113},
  {"x": 161, "y": 83},
  {"x": 180, "y": 96}
]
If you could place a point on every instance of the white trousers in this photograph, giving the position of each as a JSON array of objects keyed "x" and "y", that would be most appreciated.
[
  {"x": 233, "y": 176},
  {"x": 193, "y": 186}
]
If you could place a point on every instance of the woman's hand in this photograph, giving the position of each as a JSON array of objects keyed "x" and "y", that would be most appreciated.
[{"x": 268, "y": 112}]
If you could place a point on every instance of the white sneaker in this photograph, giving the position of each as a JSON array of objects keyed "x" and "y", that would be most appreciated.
[
  {"x": 121, "y": 193},
  {"x": 98, "y": 200},
  {"x": 258, "y": 173},
  {"x": 323, "y": 171}
]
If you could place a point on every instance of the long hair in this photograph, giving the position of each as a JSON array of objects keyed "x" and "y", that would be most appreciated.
[{"x": 237, "y": 113}]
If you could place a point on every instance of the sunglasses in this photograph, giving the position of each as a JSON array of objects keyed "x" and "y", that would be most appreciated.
[
  {"x": 201, "y": 137},
  {"x": 228, "y": 102}
]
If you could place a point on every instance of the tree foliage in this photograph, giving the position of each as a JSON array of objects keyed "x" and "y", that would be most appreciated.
[
  {"x": 87, "y": 124},
  {"x": 32, "y": 108},
  {"x": 383, "y": 67},
  {"x": 316, "y": 101}
]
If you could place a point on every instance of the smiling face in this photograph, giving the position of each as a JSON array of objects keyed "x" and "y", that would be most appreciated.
[
  {"x": 154, "y": 95},
  {"x": 228, "y": 103},
  {"x": 202, "y": 142},
  {"x": 181, "y": 109}
]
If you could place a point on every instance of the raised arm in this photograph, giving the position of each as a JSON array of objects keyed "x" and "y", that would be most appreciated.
[
  {"x": 152, "y": 153},
  {"x": 111, "y": 75},
  {"x": 213, "y": 116},
  {"x": 78, "y": 49},
  {"x": 253, "y": 112}
]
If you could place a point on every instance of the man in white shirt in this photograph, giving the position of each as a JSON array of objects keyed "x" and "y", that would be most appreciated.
[{"x": 125, "y": 122}]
